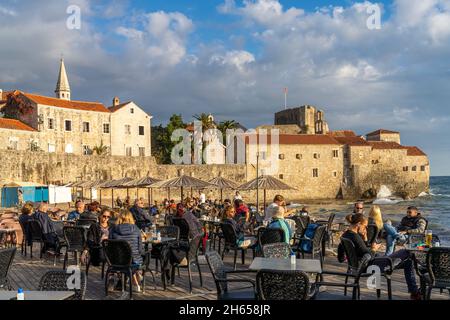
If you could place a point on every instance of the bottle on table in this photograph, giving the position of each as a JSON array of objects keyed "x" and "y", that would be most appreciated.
[
  {"x": 20, "y": 294},
  {"x": 293, "y": 260}
]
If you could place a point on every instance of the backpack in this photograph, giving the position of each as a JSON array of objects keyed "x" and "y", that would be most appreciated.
[{"x": 306, "y": 246}]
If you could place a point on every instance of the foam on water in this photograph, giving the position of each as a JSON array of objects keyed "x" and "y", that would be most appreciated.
[{"x": 387, "y": 201}]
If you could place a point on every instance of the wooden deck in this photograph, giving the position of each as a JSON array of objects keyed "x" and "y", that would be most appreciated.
[{"x": 26, "y": 273}]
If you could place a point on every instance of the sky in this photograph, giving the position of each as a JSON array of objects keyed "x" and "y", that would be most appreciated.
[{"x": 232, "y": 58}]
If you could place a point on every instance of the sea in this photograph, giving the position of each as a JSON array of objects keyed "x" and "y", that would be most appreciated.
[{"x": 434, "y": 206}]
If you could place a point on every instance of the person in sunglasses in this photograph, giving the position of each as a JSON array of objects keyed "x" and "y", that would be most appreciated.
[
  {"x": 359, "y": 207},
  {"x": 412, "y": 223}
]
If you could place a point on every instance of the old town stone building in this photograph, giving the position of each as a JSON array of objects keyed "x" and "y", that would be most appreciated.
[{"x": 60, "y": 125}]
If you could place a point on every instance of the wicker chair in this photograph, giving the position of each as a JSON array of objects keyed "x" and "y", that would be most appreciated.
[
  {"x": 220, "y": 275},
  {"x": 6, "y": 260},
  {"x": 183, "y": 226},
  {"x": 75, "y": 241},
  {"x": 280, "y": 250},
  {"x": 282, "y": 285},
  {"x": 120, "y": 260},
  {"x": 166, "y": 231},
  {"x": 316, "y": 244},
  {"x": 36, "y": 235},
  {"x": 271, "y": 235},
  {"x": 231, "y": 241},
  {"x": 191, "y": 259},
  {"x": 57, "y": 281},
  {"x": 328, "y": 238},
  {"x": 438, "y": 270},
  {"x": 357, "y": 268}
]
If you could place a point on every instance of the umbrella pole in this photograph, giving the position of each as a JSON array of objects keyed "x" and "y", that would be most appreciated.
[
  {"x": 128, "y": 193},
  {"x": 137, "y": 193},
  {"x": 264, "y": 200},
  {"x": 168, "y": 193},
  {"x": 100, "y": 191},
  {"x": 181, "y": 195},
  {"x": 192, "y": 192},
  {"x": 91, "y": 194},
  {"x": 149, "y": 198},
  {"x": 221, "y": 194},
  {"x": 112, "y": 198}
]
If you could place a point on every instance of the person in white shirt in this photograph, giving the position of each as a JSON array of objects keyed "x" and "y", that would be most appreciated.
[
  {"x": 237, "y": 196},
  {"x": 202, "y": 197},
  {"x": 273, "y": 207}
]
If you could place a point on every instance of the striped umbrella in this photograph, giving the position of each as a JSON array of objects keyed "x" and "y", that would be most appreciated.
[
  {"x": 222, "y": 183},
  {"x": 182, "y": 182}
]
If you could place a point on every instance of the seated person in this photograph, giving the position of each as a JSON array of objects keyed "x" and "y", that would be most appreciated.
[
  {"x": 357, "y": 234},
  {"x": 140, "y": 215},
  {"x": 79, "y": 209},
  {"x": 242, "y": 211},
  {"x": 279, "y": 222},
  {"x": 27, "y": 211},
  {"x": 127, "y": 230},
  {"x": 195, "y": 227},
  {"x": 376, "y": 218},
  {"x": 91, "y": 213},
  {"x": 242, "y": 240},
  {"x": 51, "y": 239},
  {"x": 119, "y": 202},
  {"x": 154, "y": 210},
  {"x": 413, "y": 223},
  {"x": 304, "y": 212}
]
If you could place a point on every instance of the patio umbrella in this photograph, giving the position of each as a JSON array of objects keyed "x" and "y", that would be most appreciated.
[
  {"x": 145, "y": 182},
  {"x": 182, "y": 182},
  {"x": 222, "y": 183},
  {"x": 118, "y": 183},
  {"x": 266, "y": 183}
]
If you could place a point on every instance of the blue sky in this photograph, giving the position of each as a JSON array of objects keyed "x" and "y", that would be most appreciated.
[{"x": 233, "y": 59}]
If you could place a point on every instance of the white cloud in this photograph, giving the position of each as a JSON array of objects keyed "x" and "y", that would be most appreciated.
[{"x": 238, "y": 59}]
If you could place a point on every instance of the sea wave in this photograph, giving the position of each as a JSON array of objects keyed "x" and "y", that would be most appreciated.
[{"x": 387, "y": 201}]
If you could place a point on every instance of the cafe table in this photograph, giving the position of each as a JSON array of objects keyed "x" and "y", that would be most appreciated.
[
  {"x": 37, "y": 295},
  {"x": 305, "y": 265},
  {"x": 162, "y": 241}
]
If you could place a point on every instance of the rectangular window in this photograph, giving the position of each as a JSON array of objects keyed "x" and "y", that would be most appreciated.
[
  {"x": 335, "y": 174},
  {"x": 86, "y": 127},
  {"x": 281, "y": 156},
  {"x": 51, "y": 148},
  {"x": 315, "y": 173},
  {"x": 128, "y": 151},
  {"x": 106, "y": 128},
  {"x": 86, "y": 150},
  {"x": 422, "y": 168},
  {"x": 141, "y": 151},
  {"x": 127, "y": 129},
  {"x": 68, "y": 125},
  {"x": 335, "y": 153},
  {"x": 281, "y": 176},
  {"x": 132, "y": 110},
  {"x": 299, "y": 156},
  {"x": 141, "y": 130},
  {"x": 414, "y": 168},
  {"x": 405, "y": 169},
  {"x": 316, "y": 156},
  {"x": 13, "y": 143},
  {"x": 51, "y": 123}
]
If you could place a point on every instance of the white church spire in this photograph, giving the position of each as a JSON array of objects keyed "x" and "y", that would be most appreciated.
[{"x": 62, "y": 86}]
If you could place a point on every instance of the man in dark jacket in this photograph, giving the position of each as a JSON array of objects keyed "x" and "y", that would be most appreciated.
[
  {"x": 140, "y": 215},
  {"x": 48, "y": 230},
  {"x": 412, "y": 223}
]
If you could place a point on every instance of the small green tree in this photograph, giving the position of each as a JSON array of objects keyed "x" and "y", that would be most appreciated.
[{"x": 101, "y": 149}]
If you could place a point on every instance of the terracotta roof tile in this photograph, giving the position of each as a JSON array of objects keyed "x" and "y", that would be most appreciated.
[
  {"x": 381, "y": 131},
  {"x": 414, "y": 151},
  {"x": 410, "y": 151},
  {"x": 13, "y": 124},
  {"x": 300, "y": 139},
  {"x": 353, "y": 141},
  {"x": 77, "y": 105},
  {"x": 342, "y": 133},
  {"x": 118, "y": 107}
]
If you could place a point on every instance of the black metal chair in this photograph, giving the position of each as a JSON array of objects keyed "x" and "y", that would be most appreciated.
[
  {"x": 166, "y": 231},
  {"x": 271, "y": 235},
  {"x": 191, "y": 259},
  {"x": 438, "y": 270},
  {"x": 119, "y": 258},
  {"x": 6, "y": 260},
  {"x": 316, "y": 244},
  {"x": 184, "y": 228},
  {"x": 301, "y": 223},
  {"x": 357, "y": 269},
  {"x": 328, "y": 238},
  {"x": 25, "y": 238},
  {"x": 282, "y": 285},
  {"x": 220, "y": 275},
  {"x": 231, "y": 243},
  {"x": 58, "y": 280},
  {"x": 85, "y": 222},
  {"x": 280, "y": 250},
  {"x": 75, "y": 243},
  {"x": 36, "y": 235}
]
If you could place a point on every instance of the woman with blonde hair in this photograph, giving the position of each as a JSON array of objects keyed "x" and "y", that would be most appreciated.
[
  {"x": 126, "y": 229},
  {"x": 375, "y": 217}
]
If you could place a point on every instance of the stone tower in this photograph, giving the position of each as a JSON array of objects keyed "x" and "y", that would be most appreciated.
[{"x": 62, "y": 86}]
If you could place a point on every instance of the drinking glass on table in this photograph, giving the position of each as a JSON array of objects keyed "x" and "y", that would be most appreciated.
[{"x": 428, "y": 238}]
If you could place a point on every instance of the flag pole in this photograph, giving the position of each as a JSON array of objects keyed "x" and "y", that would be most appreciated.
[{"x": 285, "y": 98}]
